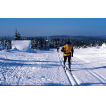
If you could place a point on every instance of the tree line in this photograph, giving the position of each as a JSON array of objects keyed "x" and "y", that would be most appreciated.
[
  {"x": 46, "y": 43},
  {"x": 52, "y": 42}
]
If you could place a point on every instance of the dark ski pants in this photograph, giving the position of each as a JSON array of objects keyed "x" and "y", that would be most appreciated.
[{"x": 69, "y": 58}]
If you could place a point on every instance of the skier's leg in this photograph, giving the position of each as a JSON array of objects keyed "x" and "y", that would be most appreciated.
[
  {"x": 65, "y": 58},
  {"x": 69, "y": 59}
]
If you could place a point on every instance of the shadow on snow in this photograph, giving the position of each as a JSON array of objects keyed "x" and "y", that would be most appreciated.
[
  {"x": 90, "y": 68},
  {"x": 57, "y": 84},
  {"x": 42, "y": 64}
]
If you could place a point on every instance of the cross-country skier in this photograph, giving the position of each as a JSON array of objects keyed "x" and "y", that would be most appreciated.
[
  {"x": 68, "y": 53},
  {"x": 57, "y": 49}
]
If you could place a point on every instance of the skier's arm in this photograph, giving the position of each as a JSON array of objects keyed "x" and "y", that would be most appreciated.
[{"x": 62, "y": 50}]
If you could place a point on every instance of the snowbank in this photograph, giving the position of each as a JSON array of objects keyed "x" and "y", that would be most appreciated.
[
  {"x": 104, "y": 45},
  {"x": 22, "y": 45}
]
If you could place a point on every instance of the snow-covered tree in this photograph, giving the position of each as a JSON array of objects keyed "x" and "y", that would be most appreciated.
[{"x": 17, "y": 36}]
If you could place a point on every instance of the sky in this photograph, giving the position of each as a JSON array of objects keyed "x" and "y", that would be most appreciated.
[{"x": 31, "y": 27}]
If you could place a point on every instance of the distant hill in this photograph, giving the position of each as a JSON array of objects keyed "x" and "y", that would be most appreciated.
[
  {"x": 75, "y": 37},
  {"x": 102, "y": 36},
  {"x": 68, "y": 37},
  {"x": 99, "y": 36}
]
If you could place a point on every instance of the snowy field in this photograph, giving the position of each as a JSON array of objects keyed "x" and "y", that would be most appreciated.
[{"x": 44, "y": 68}]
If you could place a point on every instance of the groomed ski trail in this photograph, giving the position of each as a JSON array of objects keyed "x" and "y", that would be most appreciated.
[
  {"x": 82, "y": 75},
  {"x": 87, "y": 68},
  {"x": 68, "y": 74}
]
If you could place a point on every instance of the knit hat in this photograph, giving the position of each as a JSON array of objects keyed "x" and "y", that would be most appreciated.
[{"x": 68, "y": 42}]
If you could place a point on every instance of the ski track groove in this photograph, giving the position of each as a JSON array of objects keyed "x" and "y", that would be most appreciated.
[
  {"x": 60, "y": 59},
  {"x": 101, "y": 79},
  {"x": 72, "y": 79}
]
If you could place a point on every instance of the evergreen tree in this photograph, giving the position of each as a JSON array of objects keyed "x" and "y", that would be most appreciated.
[{"x": 17, "y": 36}]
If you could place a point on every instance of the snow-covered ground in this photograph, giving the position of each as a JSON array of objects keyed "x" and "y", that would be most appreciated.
[
  {"x": 44, "y": 68},
  {"x": 22, "y": 68}
]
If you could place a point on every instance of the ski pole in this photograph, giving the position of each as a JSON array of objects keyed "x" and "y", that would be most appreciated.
[{"x": 60, "y": 62}]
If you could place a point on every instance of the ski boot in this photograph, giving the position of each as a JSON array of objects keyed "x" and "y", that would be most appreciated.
[
  {"x": 64, "y": 68},
  {"x": 70, "y": 71}
]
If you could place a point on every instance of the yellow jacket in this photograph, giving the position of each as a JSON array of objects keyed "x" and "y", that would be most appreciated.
[{"x": 66, "y": 50}]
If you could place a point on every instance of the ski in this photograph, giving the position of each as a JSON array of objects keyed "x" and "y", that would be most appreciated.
[
  {"x": 64, "y": 69},
  {"x": 70, "y": 72}
]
